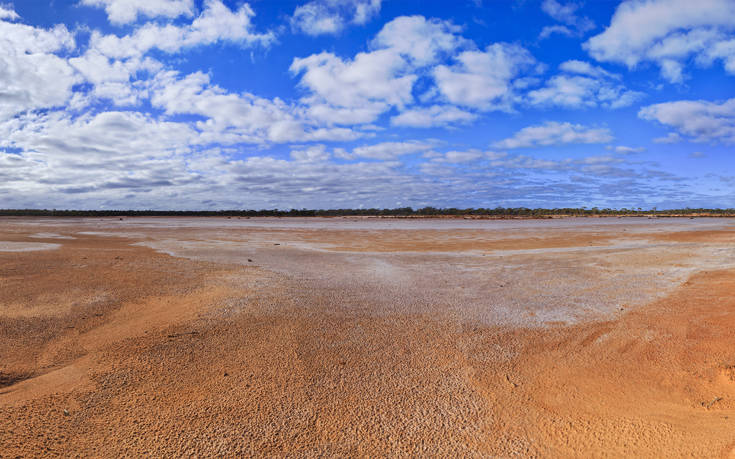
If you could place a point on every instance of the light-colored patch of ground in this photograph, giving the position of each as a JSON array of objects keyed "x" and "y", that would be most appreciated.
[
  {"x": 356, "y": 337},
  {"x": 50, "y": 236},
  {"x": 6, "y": 246}
]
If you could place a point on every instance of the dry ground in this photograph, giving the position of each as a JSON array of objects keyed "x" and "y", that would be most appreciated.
[{"x": 170, "y": 337}]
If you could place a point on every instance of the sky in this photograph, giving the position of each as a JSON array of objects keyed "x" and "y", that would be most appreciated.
[{"x": 226, "y": 104}]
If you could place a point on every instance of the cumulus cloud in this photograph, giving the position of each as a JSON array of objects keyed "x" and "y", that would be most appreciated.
[
  {"x": 484, "y": 79},
  {"x": 127, "y": 11},
  {"x": 580, "y": 85},
  {"x": 421, "y": 40},
  {"x": 699, "y": 120},
  {"x": 668, "y": 33},
  {"x": 320, "y": 17},
  {"x": 117, "y": 67},
  {"x": 32, "y": 76},
  {"x": 236, "y": 118},
  {"x": 555, "y": 133},
  {"x": 358, "y": 90},
  {"x": 216, "y": 23},
  {"x": 374, "y": 77},
  {"x": 7, "y": 12}
]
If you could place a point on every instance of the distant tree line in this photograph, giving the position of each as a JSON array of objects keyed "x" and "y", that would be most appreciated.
[{"x": 497, "y": 212}]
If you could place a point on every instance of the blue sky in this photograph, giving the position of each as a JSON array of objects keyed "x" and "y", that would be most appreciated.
[{"x": 219, "y": 104}]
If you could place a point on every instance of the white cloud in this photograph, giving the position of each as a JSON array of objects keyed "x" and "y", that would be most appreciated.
[
  {"x": 31, "y": 75},
  {"x": 583, "y": 85},
  {"x": 555, "y": 133},
  {"x": 422, "y": 40},
  {"x": 668, "y": 32},
  {"x": 565, "y": 13},
  {"x": 236, "y": 118},
  {"x": 671, "y": 137},
  {"x": 375, "y": 77},
  {"x": 111, "y": 78},
  {"x": 484, "y": 79},
  {"x": 701, "y": 121},
  {"x": 358, "y": 90},
  {"x": 623, "y": 150},
  {"x": 7, "y": 12},
  {"x": 216, "y": 23},
  {"x": 548, "y": 31},
  {"x": 127, "y": 11},
  {"x": 126, "y": 159},
  {"x": 316, "y": 153},
  {"x": 386, "y": 150},
  {"x": 116, "y": 66},
  {"x": 321, "y": 17},
  {"x": 560, "y": 12},
  {"x": 435, "y": 115},
  {"x": 585, "y": 68},
  {"x": 107, "y": 151},
  {"x": 455, "y": 157}
]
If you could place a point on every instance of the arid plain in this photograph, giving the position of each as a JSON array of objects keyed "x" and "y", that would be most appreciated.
[{"x": 367, "y": 337}]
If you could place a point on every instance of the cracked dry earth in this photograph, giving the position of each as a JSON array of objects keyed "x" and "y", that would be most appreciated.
[{"x": 367, "y": 337}]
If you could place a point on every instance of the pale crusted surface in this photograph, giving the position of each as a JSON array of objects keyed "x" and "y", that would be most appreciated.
[{"x": 564, "y": 339}]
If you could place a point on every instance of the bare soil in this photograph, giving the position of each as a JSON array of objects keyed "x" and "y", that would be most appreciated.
[{"x": 173, "y": 337}]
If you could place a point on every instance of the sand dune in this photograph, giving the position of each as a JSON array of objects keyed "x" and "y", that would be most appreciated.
[{"x": 275, "y": 337}]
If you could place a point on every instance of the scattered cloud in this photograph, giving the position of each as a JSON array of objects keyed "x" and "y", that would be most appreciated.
[
  {"x": 623, "y": 150},
  {"x": 698, "y": 120},
  {"x": 668, "y": 33},
  {"x": 358, "y": 90},
  {"x": 548, "y": 31},
  {"x": 236, "y": 118},
  {"x": 323, "y": 17},
  {"x": 130, "y": 118},
  {"x": 455, "y": 157},
  {"x": 386, "y": 150},
  {"x": 8, "y": 13},
  {"x": 435, "y": 115},
  {"x": 581, "y": 85},
  {"x": 422, "y": 41},
  {"x": 32, "y": 76},
  {"x": 313, "y": 154},
  {"x": 555, "y": 133},
  {"x": 377, "y": 79},
  {"x": 585, "y": 68},
  {"x": 671, "y": 137},
  {"x": 127, "y": 11},
  {"x": 485, "y": 80},
  {"x": 565, "y": 13},
  {"x": 216, "y": 23}
]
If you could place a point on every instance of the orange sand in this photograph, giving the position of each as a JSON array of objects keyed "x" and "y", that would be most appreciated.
[{"x": 110, "y": 349}]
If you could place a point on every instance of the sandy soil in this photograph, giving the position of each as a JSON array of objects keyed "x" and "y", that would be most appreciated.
[{"x": 336, "y": 337}]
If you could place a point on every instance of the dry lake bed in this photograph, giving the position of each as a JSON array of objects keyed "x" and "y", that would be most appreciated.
[{"x": 367, "y": 337}]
